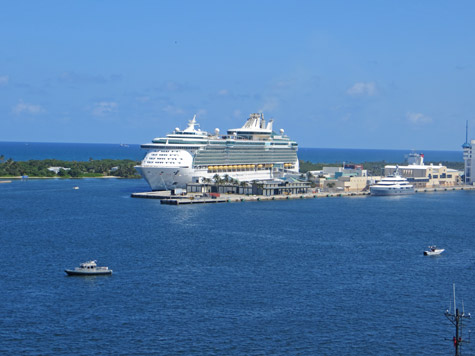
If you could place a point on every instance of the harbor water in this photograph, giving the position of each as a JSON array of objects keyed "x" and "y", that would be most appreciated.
[{"x": 324, "y": 276}]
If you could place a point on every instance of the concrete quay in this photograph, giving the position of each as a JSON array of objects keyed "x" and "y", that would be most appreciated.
[{"x": 166, "y": 198}]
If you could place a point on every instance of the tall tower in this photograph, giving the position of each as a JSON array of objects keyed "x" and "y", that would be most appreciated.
[{"x": 467, "y": 157}]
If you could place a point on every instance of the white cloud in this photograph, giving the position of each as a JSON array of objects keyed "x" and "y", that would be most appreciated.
[
  {"x": 143, "y": 99},
  {"x": 201, "y": 112},
  {"x": 362, "y": 89},
  {"x": 269, "y": 105},
  {"x": 173, "y": 110},
  {"x": 104, "y": 108},
  {"x": 75, "y": 78},
  {"x": 25, "y": 108},
  {"x": 223, "y": 92},
  {"x": 418, "y": 118},
  {"x": 3, "y": 80},
  {"x": 283, "y": 84},
  {"x": 237, "y": 113}
]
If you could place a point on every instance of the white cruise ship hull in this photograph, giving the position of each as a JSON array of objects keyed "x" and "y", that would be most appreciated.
[
  {"x": 391, "y": 191},
  {"x": 167, "y": 178}
]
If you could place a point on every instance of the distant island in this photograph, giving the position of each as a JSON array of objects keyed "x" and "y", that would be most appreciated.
[
  {"x": 52, "y": 168},
  {"x": 124, "y": 168}
]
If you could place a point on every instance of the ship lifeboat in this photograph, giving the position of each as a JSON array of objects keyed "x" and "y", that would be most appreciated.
[{"x": 259, "y": 166}]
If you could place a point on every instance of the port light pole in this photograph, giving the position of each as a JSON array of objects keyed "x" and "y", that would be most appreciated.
[{"x": 457, "y": 320}]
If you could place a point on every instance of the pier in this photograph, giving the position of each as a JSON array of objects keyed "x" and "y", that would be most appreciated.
[{"x": 166, "y": 197}]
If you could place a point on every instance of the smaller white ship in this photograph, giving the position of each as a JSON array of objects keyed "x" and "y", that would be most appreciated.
[
  {"x": 88, "y": 268},
  {"x": 433, "y": 250},
  {"x": 392, "y": 185}
]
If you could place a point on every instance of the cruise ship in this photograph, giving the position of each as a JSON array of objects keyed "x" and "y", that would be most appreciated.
[
  {"x": 392, "y": 185},
  {"x": 252, "y": 152}
]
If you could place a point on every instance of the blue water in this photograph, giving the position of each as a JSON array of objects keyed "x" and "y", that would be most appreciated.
[
  {"x": 23, "y": 151},
  {"x": 329, "y": 276}
]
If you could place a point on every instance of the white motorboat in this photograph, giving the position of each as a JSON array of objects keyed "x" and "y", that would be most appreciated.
[
  {"x": 433, "y": 250},
  {"x": 392, "y": 185},
  {"x": 88, "y": 268}
]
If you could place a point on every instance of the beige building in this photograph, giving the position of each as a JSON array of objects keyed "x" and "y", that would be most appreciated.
[
  {"x": 425, "y": 176},
  {"x": 350, "y": 178},
  {"x": 346, "y": 183}
]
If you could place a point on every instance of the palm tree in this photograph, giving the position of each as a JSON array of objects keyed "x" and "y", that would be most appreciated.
[
  {"x": 217, "y": 179},
  {"x": 227, "y": 178}
]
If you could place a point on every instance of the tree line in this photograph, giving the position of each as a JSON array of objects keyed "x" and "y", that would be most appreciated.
[{"x": 75, "y": 169}]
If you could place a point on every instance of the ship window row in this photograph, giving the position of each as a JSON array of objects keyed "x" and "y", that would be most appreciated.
[
  {"x": 246, "y": 158},
  {"x": 152, "y": 162},
  {"x": 252, "y": 155},
  {"x": 164, "y": 159},
  {"x": 248, "y": 151}
]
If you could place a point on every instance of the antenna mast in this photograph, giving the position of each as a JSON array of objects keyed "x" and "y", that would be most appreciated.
[
  {"x": 457, "y": 320},
  {"x": 466, "y": 131}
]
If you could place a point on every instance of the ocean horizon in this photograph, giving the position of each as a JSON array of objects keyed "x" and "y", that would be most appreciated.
[{"x": 24, "y": 151}]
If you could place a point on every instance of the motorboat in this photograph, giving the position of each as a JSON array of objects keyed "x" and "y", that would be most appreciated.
[
  {"x": 393, "y": 184},
  {"x": 433, "y": 250},
  {"x": 88, "y": 268}
]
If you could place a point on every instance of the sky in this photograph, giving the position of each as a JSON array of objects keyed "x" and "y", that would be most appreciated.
[{"x": 332, "y": 74}]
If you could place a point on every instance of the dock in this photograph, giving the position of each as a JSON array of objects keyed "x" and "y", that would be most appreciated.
[{"x": 166, "y": 197}]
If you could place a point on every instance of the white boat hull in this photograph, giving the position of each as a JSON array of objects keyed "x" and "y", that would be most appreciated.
[
  {"x": 434, "y": 253},
  {"x": 392, "y": 191},
  {"x": 73, "y": 272}
]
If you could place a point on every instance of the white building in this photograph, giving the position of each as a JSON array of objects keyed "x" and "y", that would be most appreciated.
[{"x": 57, "y": 169}]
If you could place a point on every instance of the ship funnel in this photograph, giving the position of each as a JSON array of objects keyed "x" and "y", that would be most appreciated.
[{"x": 269, "y": 125}]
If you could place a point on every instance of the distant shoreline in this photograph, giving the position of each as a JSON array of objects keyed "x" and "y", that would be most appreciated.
[{"x": 103, "y": 177}]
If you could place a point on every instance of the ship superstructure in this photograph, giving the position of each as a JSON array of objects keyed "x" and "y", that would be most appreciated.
[{"x": 251, "y": 152}]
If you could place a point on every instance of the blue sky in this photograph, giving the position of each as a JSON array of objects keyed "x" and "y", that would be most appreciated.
[{"x": 336, "y": 74}]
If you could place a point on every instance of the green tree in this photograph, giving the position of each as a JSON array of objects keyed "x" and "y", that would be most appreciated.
[{"x": 62, "y": 173}]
